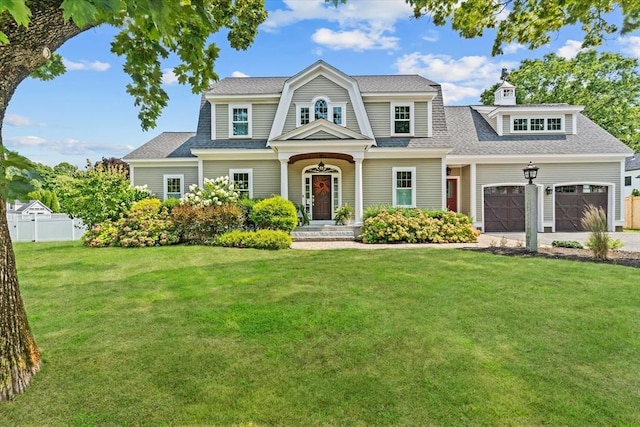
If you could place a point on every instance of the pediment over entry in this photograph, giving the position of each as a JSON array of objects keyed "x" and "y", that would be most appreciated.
[{"x": 322, "y": 130}]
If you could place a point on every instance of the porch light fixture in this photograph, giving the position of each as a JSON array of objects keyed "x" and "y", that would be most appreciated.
[
  {"x": 530, "y": 172},
  {"x": 448, "y": 171},
  {"x": 320, "y": 166},
  {"x": 548, "y": 190}
]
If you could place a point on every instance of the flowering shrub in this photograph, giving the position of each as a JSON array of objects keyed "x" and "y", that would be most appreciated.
[
  {"x": 214, "y": 193},
  {"x": 144, "y": 225},
  {"x": 418, "y": 226},
  {"x": 261, "y": 239},
  {"x": 101, "y": 235},
  {"x": 275, "y": 213},
  {"x": 200, "y": 225}
]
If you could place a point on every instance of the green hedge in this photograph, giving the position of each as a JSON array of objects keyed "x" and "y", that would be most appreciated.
[
  {"x": 261, "y": 239},
  {"x": 275, "y": 213},
  {"x": 417, "y": 226}
]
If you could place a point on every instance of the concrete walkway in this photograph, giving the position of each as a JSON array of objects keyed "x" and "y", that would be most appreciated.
[{"x": 631, "y": 242}]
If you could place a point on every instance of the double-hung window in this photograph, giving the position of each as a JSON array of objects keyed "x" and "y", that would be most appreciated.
[
  {"x": 402, "y": 119},
  {"x": 173, "y": 186},
  {"x": 404, "y": 187},
  {"x": 243, "y": 180},
  {"x": 239, "y": 120}
]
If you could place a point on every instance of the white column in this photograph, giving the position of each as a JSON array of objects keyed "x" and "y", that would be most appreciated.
[
  {"x": 284, "y": 178},
  {"x": 359, "y": 208},
  {"x": 473, "y": 211},
  {"x": 200, "y": 173}
]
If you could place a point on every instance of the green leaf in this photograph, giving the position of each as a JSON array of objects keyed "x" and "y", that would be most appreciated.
[
  {"x": 81, "y": 12},
  {"x": 17, "y": 9}
]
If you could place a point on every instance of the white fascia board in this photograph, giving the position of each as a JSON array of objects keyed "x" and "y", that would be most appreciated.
[
  {"x": 321, "y": 125},
  {"x": 542, "y": 109},
  {"x": 329, "y": 145},
  {"x": 177, "y": 162},
  {"x": 404, "y": 153},
  {"x": 269, "y": 98},
  {"x": 395, "y": 96},
  {"x": 230, "y": 154},
  {"x": 535, "y": 158}
]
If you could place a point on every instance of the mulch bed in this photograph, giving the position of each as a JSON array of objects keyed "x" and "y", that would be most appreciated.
[{"x": 630, "y": 259}]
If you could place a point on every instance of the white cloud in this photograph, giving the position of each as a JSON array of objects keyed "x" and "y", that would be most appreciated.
[
  {"x": 630, "y": 45},
  {"x": 357, "y": 40},
  {"x": 169, "y": 77},
  {"x": 361, "y": 25},
  {"x": 460, "y": 78},
  {"x": 570, "y": 49},
  {"x": 17, "y": 120},
  {"x": 431, "y": 36},
  {"x": 24, "y": 141},
  {"x": 238, "y": 74},
  {"x": 512, "y": 48},
  {"x": 85, "y": 65}
]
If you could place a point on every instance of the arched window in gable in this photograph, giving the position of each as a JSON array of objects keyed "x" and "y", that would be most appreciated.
[{"x": 321, "y": 109}]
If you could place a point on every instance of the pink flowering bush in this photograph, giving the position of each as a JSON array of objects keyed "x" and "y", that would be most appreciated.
[{"x": 417, "y": 226}]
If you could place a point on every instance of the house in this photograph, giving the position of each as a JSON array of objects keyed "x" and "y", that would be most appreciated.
[
  {"x": 33, "y": 207},
  {"x": 631, "y": 174},
  {"x": 322, "y": 138}
]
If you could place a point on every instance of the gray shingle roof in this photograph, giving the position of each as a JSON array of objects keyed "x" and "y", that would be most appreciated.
[
  {"x": 632, "y": 163},
  {"x": 367, "y": 84},
  {"x": 472, "y": 135}
]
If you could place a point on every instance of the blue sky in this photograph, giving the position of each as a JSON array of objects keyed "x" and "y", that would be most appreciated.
[{"x": 86, "y": 113}]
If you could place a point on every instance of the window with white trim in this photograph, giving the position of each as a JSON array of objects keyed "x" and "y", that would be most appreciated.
[
  {"x": 173, "y": 186},
  {"x": 239, "y": 120},
  {"x": 537, "y": 124},
  {"x": 402, "y": 119},
  {"x": 404, "y": 187},
  {"x": 321, "y": 108},
  {"x": 243, "y": 180}
]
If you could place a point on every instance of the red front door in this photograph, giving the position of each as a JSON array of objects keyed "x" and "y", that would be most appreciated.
[
  {"x": 452, "y": 194},
  {"x": 321, "y": 190}
]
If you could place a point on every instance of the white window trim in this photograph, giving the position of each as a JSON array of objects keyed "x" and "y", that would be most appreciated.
[
  {"x": 165, "y": 186},
  {"x": 330, "y": 105},
  {"x": 412, "y": 118},
  {"x": 538, "y": 132},
  {"x": 249, "y": 119},
  {"x": 247, "y": 171},
  {"x": 394, "y": 174}
]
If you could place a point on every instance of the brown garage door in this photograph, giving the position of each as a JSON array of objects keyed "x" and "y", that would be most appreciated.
[
  {"x": 504, "y": 208},
  {"x": 572, "y": 201}
]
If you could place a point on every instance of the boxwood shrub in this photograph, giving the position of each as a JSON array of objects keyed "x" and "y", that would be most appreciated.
[
  {"x": 275, "y": 213},
  {"x": 261, "y": 239},
  {"x": 417, "y": 226}
]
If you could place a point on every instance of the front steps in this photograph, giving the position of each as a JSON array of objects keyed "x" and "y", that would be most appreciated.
[{"x": 325, "y": 233}]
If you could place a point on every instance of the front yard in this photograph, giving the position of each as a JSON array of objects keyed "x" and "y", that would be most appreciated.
[{"x": 201, "y": 335}]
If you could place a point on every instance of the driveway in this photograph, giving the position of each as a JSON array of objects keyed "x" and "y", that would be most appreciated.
[{"x": 631, "y": 240}]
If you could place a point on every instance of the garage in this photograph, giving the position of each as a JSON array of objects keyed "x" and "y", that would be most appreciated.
[
  {"x": 572, "y": 201},
  {"x": 504, "y": 208}
]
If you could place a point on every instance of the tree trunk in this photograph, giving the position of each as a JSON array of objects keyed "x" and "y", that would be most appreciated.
[{"x": 19, "y": 354}]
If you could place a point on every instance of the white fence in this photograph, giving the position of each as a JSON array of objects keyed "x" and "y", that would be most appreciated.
[{"x": 44, "y": 228}]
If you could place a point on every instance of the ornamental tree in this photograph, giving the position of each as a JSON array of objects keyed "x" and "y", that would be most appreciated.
[
  {"x": 606, "y": 84},
  {"x": 532, "y": 22},
  {"x": 150, "y": 30}
]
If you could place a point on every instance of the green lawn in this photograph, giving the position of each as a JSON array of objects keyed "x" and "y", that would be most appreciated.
[{"x": 202, "y": 335}]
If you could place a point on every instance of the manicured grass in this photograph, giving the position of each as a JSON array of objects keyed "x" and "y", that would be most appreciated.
[{"x": 214, "y": 336}]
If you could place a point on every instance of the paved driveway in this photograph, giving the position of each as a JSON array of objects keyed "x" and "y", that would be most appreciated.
[{"x": 630, "y": 239}]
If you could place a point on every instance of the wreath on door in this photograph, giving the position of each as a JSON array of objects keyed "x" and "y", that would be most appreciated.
[{"x": 321, "y": 186}]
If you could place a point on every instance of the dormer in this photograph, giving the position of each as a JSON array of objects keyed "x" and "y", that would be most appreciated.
[{"x": 505, "y": 94}]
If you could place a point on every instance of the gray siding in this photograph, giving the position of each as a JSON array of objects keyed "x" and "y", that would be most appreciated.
[
  {"x": 153, "y": 177},
  {"x": 222, "y": 121},
  {"x": 568, "y": 123},
  {"x": 506, "y": 124},
  {"x": 266, "y": 173},
  {"x": 380, "y": 118},
  {"x": 262, "y": 116},
  {"x": 262, "y": 120},
  {"x": 378, "y": 181},
  {"x": 321, "y": 86},
  {"x": 421, "y": 125},
  {"x": 548, "y": 175}
]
